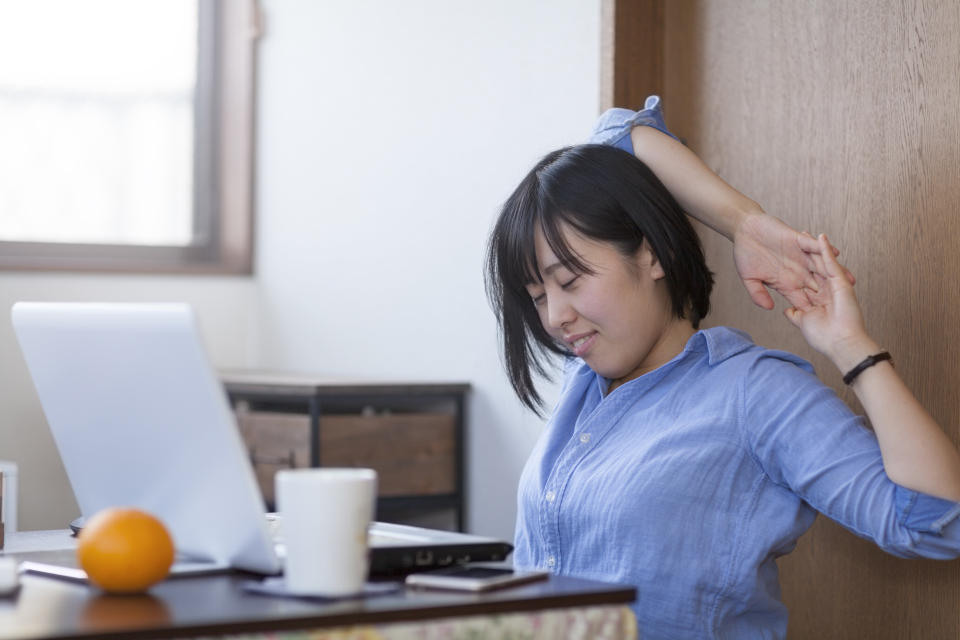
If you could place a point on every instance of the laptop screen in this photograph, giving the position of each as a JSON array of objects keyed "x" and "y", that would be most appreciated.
[{"x": 140, "y": 419}]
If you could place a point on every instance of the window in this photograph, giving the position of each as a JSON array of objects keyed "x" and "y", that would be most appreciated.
[{"x": 126, "y": 129}]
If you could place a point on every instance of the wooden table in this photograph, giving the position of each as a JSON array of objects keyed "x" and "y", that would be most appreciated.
[
  {"x": 314, "y": 396},
  {"x": 217, "y": 604}
]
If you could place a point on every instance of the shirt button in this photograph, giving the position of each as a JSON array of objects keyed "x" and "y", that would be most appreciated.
[
  {"x": 550, "y": 496},
  {"x": 584, "y": 438},
  {"x": 551, "y": 561}
]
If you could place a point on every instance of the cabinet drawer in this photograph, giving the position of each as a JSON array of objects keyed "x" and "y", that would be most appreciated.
[{"x": 413, "y": 453}]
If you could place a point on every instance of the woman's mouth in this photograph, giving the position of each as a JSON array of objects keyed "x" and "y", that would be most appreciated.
[{"x": 581, "y": 344}]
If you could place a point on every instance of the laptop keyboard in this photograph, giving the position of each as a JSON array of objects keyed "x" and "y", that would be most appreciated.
[{"x": 373, "y": 540}]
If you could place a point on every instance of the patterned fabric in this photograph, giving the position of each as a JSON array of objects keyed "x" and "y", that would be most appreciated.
[{"x": 578, "y": 623}]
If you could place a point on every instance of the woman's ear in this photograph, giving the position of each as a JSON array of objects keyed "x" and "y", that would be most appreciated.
[{"x": 648, "y": 262}]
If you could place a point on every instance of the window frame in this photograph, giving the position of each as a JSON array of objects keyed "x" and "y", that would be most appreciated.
[{"x": 223, "y": 167}]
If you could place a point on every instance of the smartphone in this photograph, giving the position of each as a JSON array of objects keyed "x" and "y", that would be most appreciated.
[{"x": 473, "y": 578}]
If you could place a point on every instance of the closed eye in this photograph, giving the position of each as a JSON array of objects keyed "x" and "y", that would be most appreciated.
[{"x": 569, "y": 283}]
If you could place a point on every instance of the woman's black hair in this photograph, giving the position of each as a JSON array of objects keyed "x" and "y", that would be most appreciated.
[{"x": 605, "y": 194}]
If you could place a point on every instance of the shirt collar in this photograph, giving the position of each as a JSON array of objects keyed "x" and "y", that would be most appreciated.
[{"x": 720, "y": 343}]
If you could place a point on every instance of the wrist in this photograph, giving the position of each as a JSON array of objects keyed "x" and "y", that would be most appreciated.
[
  {"x": 848, "y": 353},
  {"x": 739, "y": 220}
]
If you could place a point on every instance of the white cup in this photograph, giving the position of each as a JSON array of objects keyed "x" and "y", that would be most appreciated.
[{"x": 325, "y": 514}]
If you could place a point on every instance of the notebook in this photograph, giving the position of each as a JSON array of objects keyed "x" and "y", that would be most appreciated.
[{"x": 140, "y": 419}]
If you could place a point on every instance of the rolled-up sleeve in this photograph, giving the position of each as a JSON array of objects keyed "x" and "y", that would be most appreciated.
[
  {"x": 808, "y": 441},
  {"x": 614, "y": 125},
  {"x": 937, "y": 520}
]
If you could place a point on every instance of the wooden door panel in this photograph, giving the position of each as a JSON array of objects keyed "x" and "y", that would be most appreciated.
[{"x": 839, "y": 117}]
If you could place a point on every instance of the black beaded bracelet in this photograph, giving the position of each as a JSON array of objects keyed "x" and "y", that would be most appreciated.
[{"x": 867, "y": 362}]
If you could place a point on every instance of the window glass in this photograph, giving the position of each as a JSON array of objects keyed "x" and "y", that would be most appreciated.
[
  {"x": 97, "y": 121},
  {"x": 126, "y": 135}
]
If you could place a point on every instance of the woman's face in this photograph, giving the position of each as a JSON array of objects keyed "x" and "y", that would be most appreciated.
[{"x": 618, "y": 319}]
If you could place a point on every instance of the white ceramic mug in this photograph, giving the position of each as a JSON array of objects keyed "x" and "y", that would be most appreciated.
[{"x": 325, "y": 514}]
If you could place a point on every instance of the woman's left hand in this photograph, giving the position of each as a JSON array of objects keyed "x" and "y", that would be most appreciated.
[
  {"x": 832, "y": 322},
  {"x": 768, "y": 252},
  {"x": 916, "y": 453}
]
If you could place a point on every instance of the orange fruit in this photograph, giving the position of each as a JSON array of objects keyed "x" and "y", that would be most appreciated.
[{"x": 124, "y": 550}]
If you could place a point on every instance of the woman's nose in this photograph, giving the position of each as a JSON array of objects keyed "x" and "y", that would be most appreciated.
[{"x": 559, "y": 312}]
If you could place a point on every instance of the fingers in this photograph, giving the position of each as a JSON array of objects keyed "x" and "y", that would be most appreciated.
[
  {"x": 800, "y": 298},
  {"x": 759, "y": 294},
  {"x": 807, "y": 280},
  {"x": 794, "y": 315},
  {"x": 812, "y": 247},
  {"x": 829, "y": 259},
  {"x": 850, "y": 277},
  {"x": 807, "y": 243},
  {"x": 819, "y": 264}
]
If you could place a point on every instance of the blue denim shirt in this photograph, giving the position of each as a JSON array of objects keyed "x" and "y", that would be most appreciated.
[
  {"x": 614, "y": 126},
  {"x": 690, "y": 481}
]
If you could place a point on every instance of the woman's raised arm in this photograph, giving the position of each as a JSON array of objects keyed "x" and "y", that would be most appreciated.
[
  {"x": 766, "y": 251},
  {"x": 917, "y": 454}
]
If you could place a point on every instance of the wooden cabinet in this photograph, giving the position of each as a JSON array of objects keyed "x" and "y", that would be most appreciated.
[
  {"x": 411, "y": 433},
  {"x": 413, "y": 453}
]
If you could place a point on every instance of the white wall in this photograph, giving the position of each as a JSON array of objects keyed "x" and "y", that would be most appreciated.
[
  {"x": 389, "y": 134},
  {"x": 225, "y": 308}
]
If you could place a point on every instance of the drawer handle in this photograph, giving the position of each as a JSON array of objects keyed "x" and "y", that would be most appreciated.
[{"x": 290, "y": 460}]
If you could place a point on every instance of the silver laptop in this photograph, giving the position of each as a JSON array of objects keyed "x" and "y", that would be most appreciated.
[{"x": 140, "y": 419}]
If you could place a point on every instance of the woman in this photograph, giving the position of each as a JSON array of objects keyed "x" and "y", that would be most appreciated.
[{"x": 685, "y": 461}]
